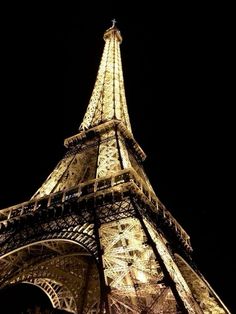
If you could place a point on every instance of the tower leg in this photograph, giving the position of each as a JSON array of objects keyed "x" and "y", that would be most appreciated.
[
  {"x": 104, "y": 305},
  {"x": 186, "y": 301},
  {"x": 167, "y": 277}
]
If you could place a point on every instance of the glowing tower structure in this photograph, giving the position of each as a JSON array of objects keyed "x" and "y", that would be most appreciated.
[{"x": 95, "y": 237}]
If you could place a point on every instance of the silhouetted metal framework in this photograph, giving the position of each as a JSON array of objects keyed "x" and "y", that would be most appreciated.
[{"x": 95, "y": 237}]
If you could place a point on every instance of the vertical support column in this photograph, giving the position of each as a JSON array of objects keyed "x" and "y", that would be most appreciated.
[
  {"x": 108, "y": 158},
  {"x": 169, "y": 281},
  {"x": 104, "y": 305},
  {"x": 123, "y": 152}
]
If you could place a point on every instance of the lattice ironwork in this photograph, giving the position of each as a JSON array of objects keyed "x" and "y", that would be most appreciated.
[
  {"x": 63, "y": 275},
  {"x": 134, "y": 284},
  {"x": 108, "y": 98},
  {"x": 95, "y": 237}
]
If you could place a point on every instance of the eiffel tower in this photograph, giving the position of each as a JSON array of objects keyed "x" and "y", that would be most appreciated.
[{"x": 95, "y": 237}]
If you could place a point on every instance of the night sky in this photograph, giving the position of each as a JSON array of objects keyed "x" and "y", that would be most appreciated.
[{"x": 176, "y": 69}]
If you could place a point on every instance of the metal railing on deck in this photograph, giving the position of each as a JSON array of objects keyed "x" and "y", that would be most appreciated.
[{"x": 92, "y": 187}]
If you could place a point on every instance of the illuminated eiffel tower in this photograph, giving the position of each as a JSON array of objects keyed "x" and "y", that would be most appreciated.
[{"x": 95, "y": 237}]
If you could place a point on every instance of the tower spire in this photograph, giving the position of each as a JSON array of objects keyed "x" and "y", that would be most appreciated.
[
  {"x": 113, "y": 22},
  {"x": 108, "y": 100}
]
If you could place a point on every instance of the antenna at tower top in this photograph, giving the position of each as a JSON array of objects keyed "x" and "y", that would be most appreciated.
[{"x": 114, "y": 22}]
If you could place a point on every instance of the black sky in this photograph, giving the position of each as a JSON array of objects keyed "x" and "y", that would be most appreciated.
[{"x": 176, "y": 68}]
